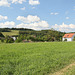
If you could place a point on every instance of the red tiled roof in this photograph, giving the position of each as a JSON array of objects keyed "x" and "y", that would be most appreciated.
[{"x": 69, "y": 35}]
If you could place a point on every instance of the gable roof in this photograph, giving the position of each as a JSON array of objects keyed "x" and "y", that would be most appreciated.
[{"x": 69, "y": 35}]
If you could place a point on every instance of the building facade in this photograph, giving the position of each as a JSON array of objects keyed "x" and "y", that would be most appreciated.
[{"x": 68, "y": 37}]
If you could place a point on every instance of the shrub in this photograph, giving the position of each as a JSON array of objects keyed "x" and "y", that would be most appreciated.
[
  {"x": 74, "y": 39},
  {"x": 65, "y": 40},
  {"x": 18, "y": 40},
  {"x": 1, "y": 35},
  {"x": 2, "y": 40},
  {"x": 9, "y": 40}
]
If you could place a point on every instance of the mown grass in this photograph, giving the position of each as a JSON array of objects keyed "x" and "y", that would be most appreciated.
[
  {"x": 13, "y": 32},
  {"x": 35, "y": 58}
]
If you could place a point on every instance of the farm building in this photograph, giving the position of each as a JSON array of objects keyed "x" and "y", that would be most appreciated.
[
  {"x": 68, "y": 37},
  {"x": 14, "y": 37}
]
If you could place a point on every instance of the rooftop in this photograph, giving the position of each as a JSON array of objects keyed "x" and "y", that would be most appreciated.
[{"x": 68, "y": 35}]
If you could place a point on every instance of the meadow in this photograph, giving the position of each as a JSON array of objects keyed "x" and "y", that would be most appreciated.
[
  {"x": 36, "y": 58},
  {"x": 13, "y": 32}
]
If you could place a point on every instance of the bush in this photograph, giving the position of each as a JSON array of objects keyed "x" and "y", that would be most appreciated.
[
  {"x": 18, "y": 40},
  {"x": 65, "y": 40},
  {"x": 2, "y": 40},
  {"x": 74, "y": 39},
  {"x": 1, "y": 35},
  {"x": 9, "y": 40}
]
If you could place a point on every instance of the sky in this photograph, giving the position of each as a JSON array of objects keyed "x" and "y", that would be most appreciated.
[{"x": 38, "y": 14}]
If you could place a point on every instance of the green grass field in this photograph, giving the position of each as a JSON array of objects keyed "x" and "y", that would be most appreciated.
[
  {"x": 35, "y": 58},
  {"x": 13, "y": 32},
  {"x": 70, "y": 71}
]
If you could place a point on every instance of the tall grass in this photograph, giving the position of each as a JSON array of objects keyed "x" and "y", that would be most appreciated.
[{"x": 35, "y": 58}]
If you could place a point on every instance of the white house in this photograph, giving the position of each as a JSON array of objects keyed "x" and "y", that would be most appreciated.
[
  {"x": 69, "y": 37},
  {"x": 14, "y": 38}
]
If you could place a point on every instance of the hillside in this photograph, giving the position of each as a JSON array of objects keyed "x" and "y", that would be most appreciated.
[
  {"x": 35, "y": 36},
  {"x": 12, "y": 31}
]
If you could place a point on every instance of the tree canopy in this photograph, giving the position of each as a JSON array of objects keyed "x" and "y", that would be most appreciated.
[{"x": 1, "y": 35}]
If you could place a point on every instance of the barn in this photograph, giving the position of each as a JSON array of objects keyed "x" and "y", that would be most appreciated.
[{"x": 68, "y": 37}]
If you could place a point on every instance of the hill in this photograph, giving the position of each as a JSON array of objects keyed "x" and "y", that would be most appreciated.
[
  {"x": 32, "y": 35},
  {"x": 43, "y": 35},
  {"x": 13, "y": 31}
]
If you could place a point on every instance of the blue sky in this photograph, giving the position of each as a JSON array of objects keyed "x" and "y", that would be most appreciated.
[{"x": 38, "y": 14}]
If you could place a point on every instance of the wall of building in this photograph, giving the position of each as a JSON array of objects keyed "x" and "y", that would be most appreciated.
[
  {"x": 68, "y": 39},
  {"x": 14, "y": 38}
]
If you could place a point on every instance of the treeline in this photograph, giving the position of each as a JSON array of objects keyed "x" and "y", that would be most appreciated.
[
  {"x": 22, "y": 29},
  {"x": 1, "y": 35},
  {"x": 43, "y": 35},
  {"x": 29, "y": 35},
  {"x": 9, "y": 29},
  {"x": 5, "y": 30}
]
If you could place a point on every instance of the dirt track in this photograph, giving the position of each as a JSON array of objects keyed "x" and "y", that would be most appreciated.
[{"x": 61, "y": 72}]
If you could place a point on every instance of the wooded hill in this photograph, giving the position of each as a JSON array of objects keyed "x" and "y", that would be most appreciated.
[
  {"x": 43, "y": 35},
  {"x": 29, "y": 34}
]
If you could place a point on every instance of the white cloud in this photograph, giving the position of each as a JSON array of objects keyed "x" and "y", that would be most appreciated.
[
  {"x": 36, "y": 25},
  {"x": 33, "y": 7},
  {"x": 18, "y": 1},
  {"x": 28, "y": 19},
  {"x": 34, "y": 2},
  {"x": 7, "y": 24},
  {"x": 64, "y": 27},
  {"x": 54, "y": 13},
  {"x": 3, "y": 17},
  {"x": 23, "y": 8},
  {"x": 67, "y": 18},
  {"x": 4, "y": 3},
  {"x": 32, "y": 22},
  {"x": 7, "y": 3}
]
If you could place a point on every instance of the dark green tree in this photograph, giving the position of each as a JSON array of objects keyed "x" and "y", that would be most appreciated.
[{"x": 74, "y": 38}]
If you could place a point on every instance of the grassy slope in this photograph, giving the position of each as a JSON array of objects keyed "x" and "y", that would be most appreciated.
[
  {"x": 35, "y": 58},
  {"x": 13, "y": 32}
]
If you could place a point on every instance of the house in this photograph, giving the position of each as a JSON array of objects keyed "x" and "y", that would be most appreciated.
[
  {"x": 14, "y": 37},
  {"x": 68, "y": 37}
]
